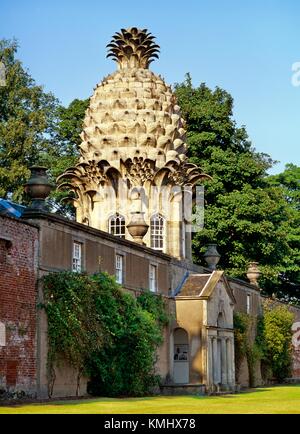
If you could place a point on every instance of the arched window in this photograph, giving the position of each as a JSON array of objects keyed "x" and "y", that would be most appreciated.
[
  {"x": 157, "y": 229},
  {"x": 116, "y": 225}
]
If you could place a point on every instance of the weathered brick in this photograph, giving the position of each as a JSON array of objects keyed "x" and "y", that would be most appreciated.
[{"x": 18, "y": 271}]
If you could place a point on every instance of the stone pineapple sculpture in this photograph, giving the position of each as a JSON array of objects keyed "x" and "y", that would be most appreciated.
[
  {"x": 133, "y": 131},
  {"x": 133, "y": 113},
  {"x": 133, "y": 48}
]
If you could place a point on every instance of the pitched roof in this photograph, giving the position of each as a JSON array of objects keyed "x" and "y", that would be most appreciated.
[
  {"x": 203, "y": 285},
  {"x": 194, "y": 284}
]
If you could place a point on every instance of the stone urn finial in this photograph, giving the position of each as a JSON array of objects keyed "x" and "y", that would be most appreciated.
[
  {"x": 137, "y": 227},
  {"x": 253, "y": 273},
  {"x": 212, "y": 256},
  {"x": 38, "y": 187}
]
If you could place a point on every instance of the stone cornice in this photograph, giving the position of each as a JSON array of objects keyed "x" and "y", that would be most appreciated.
[
  {"x": 244, "y": 283},
  {"x": 41, "y": 215}
]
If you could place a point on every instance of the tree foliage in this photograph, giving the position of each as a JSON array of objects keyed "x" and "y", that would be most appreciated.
[
  {"x": 104, "y": 332},
  {"x": 246, "y": 344},
  {"x": 27, "y": 123},
  {"x": 71, "y": 124},
  {"x": 248, "y": 216},
  {"x": 34, "y": 129},
  {"x": 240, "y": 324},
  {"x": 66, "y": 140},
  {"x": 126, "y": 363},
  {"x": 73, "y": 329},
  {"x": 289, "y": 182},
  {"x": 276, "y": 339},
  {"x": 266, "y": 339}
]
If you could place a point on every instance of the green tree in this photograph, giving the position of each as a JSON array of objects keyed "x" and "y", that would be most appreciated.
[
  {"x": 70, "y": 125},
  {"x": 245, "y": 215},
  {"x": 277, "y": 339},
  {"x": 66, "y": 139},
  {"x": 28, "y": 118},
  {"x": 125, "y": 365},
  {"x": 289, "y": 181},
  {"x": 34, "y": 129}
]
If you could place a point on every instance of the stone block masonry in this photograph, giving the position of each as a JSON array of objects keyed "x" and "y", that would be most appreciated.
[{"x": 18, "y": 298}]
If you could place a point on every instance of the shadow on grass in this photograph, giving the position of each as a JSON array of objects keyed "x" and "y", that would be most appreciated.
[
  {"x": 82, "y": 401},
  {"x": 106, "y": 400},
  {"x": 98, "y": 400},
  {"x": 233, "y": 395}
]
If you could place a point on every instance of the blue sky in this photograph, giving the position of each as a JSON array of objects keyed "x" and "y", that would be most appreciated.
[{"x": 246, "y": 47}]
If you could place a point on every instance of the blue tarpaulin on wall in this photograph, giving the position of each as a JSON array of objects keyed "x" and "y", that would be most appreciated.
[{"x": 11, "y": 209}]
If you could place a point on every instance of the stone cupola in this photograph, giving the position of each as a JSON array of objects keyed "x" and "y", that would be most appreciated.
[{"x": 133, "y": 151}]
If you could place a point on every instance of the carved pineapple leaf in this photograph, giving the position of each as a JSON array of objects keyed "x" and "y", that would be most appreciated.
[{"x": 133, "y": 48}]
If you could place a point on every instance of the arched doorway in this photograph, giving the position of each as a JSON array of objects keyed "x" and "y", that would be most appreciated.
[{"x": 181, "y": 356}]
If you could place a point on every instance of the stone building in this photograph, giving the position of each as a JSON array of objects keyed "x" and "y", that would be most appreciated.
[
  {"x": 133, "y": 192},
  {"x": 133, "y": 172},
  {"x": 197, "y": 352}
]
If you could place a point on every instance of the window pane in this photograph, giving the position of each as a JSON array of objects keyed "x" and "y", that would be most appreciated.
[
  {"x": 152, "y": 278},
  {"x": 76, "y": 260},
  {"x": 119, "y": 268},
  {"x": 117, "y": 226},
  {"x": 157, "y": 232},
  {"x": 248, "y": 303}
]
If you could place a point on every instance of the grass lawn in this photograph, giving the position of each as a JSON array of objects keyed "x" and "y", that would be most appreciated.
[{"x": 279, "y": 399}]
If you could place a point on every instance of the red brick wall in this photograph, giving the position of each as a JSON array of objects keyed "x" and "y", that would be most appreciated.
[{"x": 18, "y": 256}]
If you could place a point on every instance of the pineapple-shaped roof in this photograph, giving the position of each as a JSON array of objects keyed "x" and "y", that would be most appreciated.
[
  {"x": 133, "y": 135},
  {"x": 133, "y": 113}
]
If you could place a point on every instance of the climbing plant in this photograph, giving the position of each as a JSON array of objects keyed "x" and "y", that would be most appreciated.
[
  {"x": 103, "y": 332},
  {"x": 276, "y": 332},
  {"x": 240, "y": 324},
  {"x": 246, "y": 346},
  {"x": 266, "y": 338},
  {"x": 154, "y": 305},
  {"x": 73, "y": 329}
]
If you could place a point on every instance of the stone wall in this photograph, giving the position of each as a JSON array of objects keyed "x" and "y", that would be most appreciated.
[
  {"x": 30, "y": 249},
  {"x": 99, "y": 250},
  {"x": 18, "y": 270},
  {"x": 243, "y": 290}
]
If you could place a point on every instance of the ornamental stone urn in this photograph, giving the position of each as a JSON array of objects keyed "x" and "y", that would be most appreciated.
[
  {"x": 38, "y": 187},
  {"x": 253, "y": 273},
  {"x": 137, "y": 227},
  {"x": 212, "y": 256}
]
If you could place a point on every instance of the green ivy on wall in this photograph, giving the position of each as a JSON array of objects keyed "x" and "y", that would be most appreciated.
[
  {"x": 246, "y": 346},
  {"x": 276, "y": 332},
  {"x": 103, "y": 332},
  {"x": 266, "y": 339}
]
